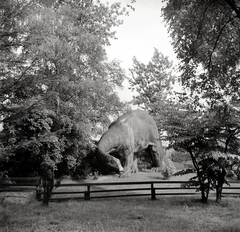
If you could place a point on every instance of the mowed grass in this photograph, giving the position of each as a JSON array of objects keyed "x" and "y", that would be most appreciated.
[{"x": 168, "y": 214}]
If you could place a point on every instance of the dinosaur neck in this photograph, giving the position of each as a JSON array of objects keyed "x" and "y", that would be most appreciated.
[{"x": 103, "y": 156}]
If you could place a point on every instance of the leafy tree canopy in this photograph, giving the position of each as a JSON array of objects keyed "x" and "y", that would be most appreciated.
[
  {"x": 206, "y": 38},
  {"x": 55, "y": 78},
  {"x": 206, "y": 132},
  {"x": 153, "y": 83}
]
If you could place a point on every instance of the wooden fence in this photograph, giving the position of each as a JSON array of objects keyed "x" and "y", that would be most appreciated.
[
  {"x": 18, "y": 184},
  {"x": 87, "y": 191},
  {"x": 152, "y": 189}
]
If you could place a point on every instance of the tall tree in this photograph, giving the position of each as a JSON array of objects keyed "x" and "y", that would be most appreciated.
[
  {"x": 206, "y": 40},
  {"x": 210, "y": 136},
  {"x": 55, "y": 76},
  {"x": 153, "y": 83}
]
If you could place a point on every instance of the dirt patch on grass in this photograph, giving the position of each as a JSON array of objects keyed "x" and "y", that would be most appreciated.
[{"x": 140, "y": 176}]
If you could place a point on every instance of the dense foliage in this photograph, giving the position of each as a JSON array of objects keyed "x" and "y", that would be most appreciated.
[
  {"x": 205, "y": 36},
  {"x": 56, "y": 82},
  {"x": 205, "y": 122},
  {"x": 203, "y": 119},
  {"x": 153, "y": 83}
]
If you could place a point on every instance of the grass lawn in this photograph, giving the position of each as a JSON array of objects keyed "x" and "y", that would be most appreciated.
[{"x": 164, "y": 214}]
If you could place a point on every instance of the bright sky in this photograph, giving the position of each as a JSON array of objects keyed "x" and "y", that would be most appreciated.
[{"x": 141, "y": 32}]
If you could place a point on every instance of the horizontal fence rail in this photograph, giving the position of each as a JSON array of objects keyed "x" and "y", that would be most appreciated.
[
  {"x": 17, "y": 184},
  {"x": 87, "y": 191}
]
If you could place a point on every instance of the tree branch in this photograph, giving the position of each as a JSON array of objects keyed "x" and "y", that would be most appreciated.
[
  {"x": 203, "y": 17},
  {"x": 232, "y": 133},
  {"x": 216, "y": 42}
]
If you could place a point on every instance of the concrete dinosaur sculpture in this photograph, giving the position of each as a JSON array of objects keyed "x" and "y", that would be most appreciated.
[{"x": 129, "y": 134}]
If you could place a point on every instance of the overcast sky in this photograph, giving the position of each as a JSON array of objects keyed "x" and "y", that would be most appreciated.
[{"x": 140, "y": 32}]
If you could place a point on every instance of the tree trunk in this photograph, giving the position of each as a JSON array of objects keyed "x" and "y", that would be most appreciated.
[
  {"x": 204, "y": 194},
  {"x": 48, "y": 187},
  {"x": 221, "y": 179},
  {"x": 47, "y": 182}
]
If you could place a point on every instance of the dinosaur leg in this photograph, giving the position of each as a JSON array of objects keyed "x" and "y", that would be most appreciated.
[
  {"x": 156, "y": 159},
  {"x": 135, "y": 164},
  {"x": 128, "y": 163}
]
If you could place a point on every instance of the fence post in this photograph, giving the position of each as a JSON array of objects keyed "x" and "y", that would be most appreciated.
[
  {"x": 153, "y": 193},
  {"x": 87, "y": 193}
]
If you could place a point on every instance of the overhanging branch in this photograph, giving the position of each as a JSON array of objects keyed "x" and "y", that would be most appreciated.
[{"x": 216, "y": 42}]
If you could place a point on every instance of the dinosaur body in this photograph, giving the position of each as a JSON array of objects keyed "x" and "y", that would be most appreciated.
[{"x": 128, "y": 135}]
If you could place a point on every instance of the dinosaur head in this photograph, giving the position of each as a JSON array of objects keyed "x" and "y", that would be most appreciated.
[
  {"x": 116, "y": 164},
  {"x": 106, "y": 160}
]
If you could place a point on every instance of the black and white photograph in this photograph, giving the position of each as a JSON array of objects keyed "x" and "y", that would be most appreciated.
[{"x": 119, "y": 115}]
